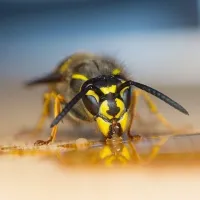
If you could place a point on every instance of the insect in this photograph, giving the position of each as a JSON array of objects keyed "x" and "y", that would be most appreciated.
[{"x": 98, "y": 89}]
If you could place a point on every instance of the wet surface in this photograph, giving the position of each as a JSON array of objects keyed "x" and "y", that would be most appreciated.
[{"x": 157, "y": 151}]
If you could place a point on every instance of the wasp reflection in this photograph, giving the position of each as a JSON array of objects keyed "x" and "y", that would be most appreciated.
[{"x": 114, "y": 152}]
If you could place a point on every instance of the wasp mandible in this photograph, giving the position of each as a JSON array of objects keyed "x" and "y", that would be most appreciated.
[{"x": 98, "y": 89}]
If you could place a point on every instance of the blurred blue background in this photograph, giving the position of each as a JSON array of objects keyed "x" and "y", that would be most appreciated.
[{"x": 158, "y": 40}]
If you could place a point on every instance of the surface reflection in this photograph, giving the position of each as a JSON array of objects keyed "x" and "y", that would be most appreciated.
[{"x": 115, "y": 152}]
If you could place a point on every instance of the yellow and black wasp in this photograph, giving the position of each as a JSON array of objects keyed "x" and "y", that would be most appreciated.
[{"x": 97, "y": 88}]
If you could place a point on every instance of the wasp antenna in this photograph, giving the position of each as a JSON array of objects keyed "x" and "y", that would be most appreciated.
[
  {"x": 49, "y": 78},
  {"x": 69, "y": 105},
  {"x": 156, "y": 93}
]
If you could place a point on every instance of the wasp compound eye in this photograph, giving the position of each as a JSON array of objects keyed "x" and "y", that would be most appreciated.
[{"x": 91, "y": 102}]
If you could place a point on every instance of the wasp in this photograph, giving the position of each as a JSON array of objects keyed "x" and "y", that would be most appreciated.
[{"x": 96, "y": 88}]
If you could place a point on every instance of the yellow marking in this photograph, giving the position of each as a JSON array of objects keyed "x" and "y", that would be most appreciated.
[
  {"x": 111, "y": 89},
  {"x": 104, "y": 108},
  {"x": 45, "y": 113},
  {"x": 105, "y": 152},
  {"x": 126, "y": 153},
  {"x": 80, "y": 77},
  {"x": 92, "y": 93},
  {"x": 121, "y": 106},
  {"x": 123, "y": 90},
  {"x": 74, "y": 56},
  {"x": 57, "y": 107},
  {"x": 109, "y": 161},
  {"x": 122, "y": 160},
  {"x": 103, "y": 126},
  {"x": 65, "y": 65},
  {"x": 116, "y": 71},
  {"x": 123, "y": 122}
]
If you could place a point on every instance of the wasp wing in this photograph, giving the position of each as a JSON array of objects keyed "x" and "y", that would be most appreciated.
[{"x": 46, "y": 79}]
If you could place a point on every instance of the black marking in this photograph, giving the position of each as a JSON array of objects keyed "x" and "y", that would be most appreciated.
[
  {"x": 113, "y": 109},
  {"x": 104, "y": 81},
  {"x": 120, "y": 77}
]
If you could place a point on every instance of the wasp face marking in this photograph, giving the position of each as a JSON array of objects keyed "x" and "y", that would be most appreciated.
[{"x": 113, "y": 109}]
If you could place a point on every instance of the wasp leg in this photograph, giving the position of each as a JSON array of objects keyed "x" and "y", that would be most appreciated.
[
  {"x": 133, "y": 116},
  {"x": 57, "y": 107},
  {"x": 45, "y": 113},
  {"x": 47, "y": 96},
  {"x": 153, "y": 108}
]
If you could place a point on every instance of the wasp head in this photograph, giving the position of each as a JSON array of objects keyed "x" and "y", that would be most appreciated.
[{"x": 109, "y": 106}]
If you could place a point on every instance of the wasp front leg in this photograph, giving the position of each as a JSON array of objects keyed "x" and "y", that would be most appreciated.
[
  {"x": 58, "y": 100},
  {"x": 45, "y": 112},
  {"x": 133, "y": 116},
  {"x": 153, "y": 109}
]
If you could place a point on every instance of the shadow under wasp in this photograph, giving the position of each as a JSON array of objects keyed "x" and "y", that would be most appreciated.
[{"x": 92, "y": 88}]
